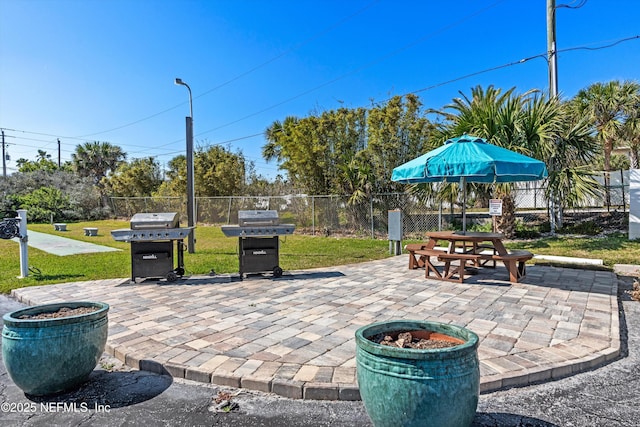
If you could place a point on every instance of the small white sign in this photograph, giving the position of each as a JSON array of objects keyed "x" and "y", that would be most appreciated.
[{"x": 495, "y": 207}]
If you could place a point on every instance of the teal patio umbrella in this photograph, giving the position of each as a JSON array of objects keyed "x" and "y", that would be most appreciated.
[{"x": 469, "y": 159}]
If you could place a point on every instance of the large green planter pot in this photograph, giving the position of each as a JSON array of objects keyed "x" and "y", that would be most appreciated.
[
  {"x": 413, "y": 387},
  {"x": 53, "y": 355}
]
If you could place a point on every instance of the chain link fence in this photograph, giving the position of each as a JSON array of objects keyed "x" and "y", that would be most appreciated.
[{"x": 334, "y": 215}]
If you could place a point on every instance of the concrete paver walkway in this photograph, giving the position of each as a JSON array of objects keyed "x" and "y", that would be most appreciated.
[
  {"x": 294, "y": 336},
  {"x": 62, "y": 246}
]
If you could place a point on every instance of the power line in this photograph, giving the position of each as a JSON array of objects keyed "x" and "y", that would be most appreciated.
[
  {"x": 249, "y": 71},
  {"x": 466, "y": 76},
  {"x": 171, "y": 153},
  {"x": 365, "y": 66},
  {"x": 568, "y": 6},
  {"x": 521, "y": 61},
  {"x": 370, "y": 64},
  {"x": 617, "y": 42},
  {"x": 376, "y": 61}
]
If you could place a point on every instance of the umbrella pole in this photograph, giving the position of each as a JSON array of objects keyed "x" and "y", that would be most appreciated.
[{"x": 463, "y": 183}]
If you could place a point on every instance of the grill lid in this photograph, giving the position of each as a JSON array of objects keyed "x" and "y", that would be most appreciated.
[
  {"x": 147, "y": 221},
  {"x": 256, "y": 218}
]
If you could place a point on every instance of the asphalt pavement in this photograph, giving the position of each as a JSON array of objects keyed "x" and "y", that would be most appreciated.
[{"x": 116, "y": 395}]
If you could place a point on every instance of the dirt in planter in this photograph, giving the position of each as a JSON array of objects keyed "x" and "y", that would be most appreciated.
[
  {"x": 61, "y": 312},
  {"x": 409, "y": 340}
]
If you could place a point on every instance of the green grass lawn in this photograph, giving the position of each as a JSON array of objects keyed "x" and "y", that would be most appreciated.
[{"x": 216, "y": 252}]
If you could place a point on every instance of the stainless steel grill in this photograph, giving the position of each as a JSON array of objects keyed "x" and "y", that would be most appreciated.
[
  {"x": 258, "y": 240},
  {"x": 152, "y": 237}
]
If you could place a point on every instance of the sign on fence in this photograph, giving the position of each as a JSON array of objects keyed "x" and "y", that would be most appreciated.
[{"x": 495, "y": 207}]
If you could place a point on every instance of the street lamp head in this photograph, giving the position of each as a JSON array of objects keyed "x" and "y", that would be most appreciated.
[{"x": 179, "y": 81}]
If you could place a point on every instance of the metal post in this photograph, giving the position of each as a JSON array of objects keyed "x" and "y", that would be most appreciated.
[
  {"x": 313, "y": 216},
  {"x": 553, "y": 86},
  {"x": 190, "y": 186},
  {"x": 24, "y": 251},
  {"x": 624, "y": 200},
  {"x": 373, "y": 235},
  {"x": 190, "y": 180},
  {"x": 4, "y": 158}
]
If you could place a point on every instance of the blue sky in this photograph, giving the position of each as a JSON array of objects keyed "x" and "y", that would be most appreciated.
[{"x": 85, "y": 70}]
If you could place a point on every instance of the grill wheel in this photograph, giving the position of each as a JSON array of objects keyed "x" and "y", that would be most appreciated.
[{"x": 277, "y": 271}]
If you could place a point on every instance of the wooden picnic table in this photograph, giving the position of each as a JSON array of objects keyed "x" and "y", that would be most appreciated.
[{"x": 478, "y": 248}]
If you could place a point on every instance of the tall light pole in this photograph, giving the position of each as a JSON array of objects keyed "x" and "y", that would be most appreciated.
[{"x": 191, "y": 211}]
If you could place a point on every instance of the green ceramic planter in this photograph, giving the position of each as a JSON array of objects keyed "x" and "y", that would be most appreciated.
[
  {"x": 48, "y": 356},
  {"x": 411, "y": 387}
]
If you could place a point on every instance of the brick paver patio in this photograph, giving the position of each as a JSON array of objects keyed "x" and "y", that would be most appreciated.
[{"x": 294, "y": 335}]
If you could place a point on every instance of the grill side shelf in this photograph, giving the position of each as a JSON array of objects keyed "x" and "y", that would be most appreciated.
[
  {"x": 255, "y": 231},
  {"x": 128, "y": 235}
]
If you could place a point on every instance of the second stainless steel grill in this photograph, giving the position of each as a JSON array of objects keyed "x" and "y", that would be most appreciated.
[
  {"x": 152, "y": 249},
  {"x": 258, "y": 240}
]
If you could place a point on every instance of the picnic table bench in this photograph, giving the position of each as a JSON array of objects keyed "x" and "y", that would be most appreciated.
[
  {"x": 515, "y": 262},
  {"x": 480, "y": 249},
  {"x": 450, "y": 272}
]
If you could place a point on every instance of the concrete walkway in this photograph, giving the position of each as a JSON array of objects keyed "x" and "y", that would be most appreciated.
[
  {"x": 62, "y": 246},
  {"x": 294, "y": 336}
]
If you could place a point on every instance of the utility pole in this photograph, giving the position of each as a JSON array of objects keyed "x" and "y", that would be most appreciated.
[
  {"x": 4, "y": 158},
  {"x": 58, "y": 153},
  {"x": 551, "y": 48},
  {"x": 553, "y": 88}
]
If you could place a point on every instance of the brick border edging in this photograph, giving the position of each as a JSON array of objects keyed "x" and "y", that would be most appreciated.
[
  {"x": 350, "y": 392},
  {"x": 286, "y": 388}
]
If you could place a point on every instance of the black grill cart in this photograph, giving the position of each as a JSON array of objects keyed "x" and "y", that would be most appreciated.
[{"x": 152, "y": 237}]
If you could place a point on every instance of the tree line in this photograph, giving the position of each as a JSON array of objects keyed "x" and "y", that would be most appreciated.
[{"x": 352, "y": 151}]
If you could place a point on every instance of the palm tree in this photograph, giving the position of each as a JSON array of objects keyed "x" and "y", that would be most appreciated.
[
  {"x": 97, "y": 160},
  {"x": 495, "y": 116},
  {"x": 529, "y": 124},
  {"x": 630, "y": 131},
  {"x": 607, "y": 105}
]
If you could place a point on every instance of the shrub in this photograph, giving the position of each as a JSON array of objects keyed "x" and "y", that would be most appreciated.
[
  {"x": 44, "y": 204},
  {"x": 68, "y": 197},
  {"x": 524, "y": 231},
  {"x": 590, "y": 228}
]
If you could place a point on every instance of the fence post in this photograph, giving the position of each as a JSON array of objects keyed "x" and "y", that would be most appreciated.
[
  {"x": 624, "y": 201},
  {"x": 195, "y": 208},
  {"x": 313, "y": 215},
  {"x": 371, "y": 213},
  {"x": 607, "y": 185}
]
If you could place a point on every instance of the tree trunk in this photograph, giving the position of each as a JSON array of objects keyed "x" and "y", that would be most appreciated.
[
  {"x": 633, "y": 154},
  {"x": 506, "y": 223}
]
